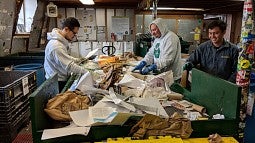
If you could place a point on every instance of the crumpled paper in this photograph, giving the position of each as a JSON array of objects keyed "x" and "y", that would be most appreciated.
[{"x": 152, "y": 86}]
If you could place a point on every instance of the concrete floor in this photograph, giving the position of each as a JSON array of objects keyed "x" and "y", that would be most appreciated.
[{"x": 24, "y": 135}]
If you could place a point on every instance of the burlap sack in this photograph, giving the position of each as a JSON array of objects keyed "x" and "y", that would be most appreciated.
[
  {"x": 151, "y": 125},
  {"x": 58, "y": 107}
]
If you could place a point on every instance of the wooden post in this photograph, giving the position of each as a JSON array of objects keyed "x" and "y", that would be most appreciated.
[
  {"x": 37, "y": 25},
  {"x": 7, "y": 22}
]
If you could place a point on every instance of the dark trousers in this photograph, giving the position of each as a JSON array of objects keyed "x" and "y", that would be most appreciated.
[
  {"x": 177, "y": 81},
  {"x": 61, "y": 85}
]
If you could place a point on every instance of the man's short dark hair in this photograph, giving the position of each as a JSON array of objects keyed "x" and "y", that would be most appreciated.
[
  {"x": 218, "y": 23},
  {"x": 70, "y": 22}
]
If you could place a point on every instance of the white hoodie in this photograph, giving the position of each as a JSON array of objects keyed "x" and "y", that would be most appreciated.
[
  {"x": 57, "y": 59},
  {"x": 165, "y": 51}
]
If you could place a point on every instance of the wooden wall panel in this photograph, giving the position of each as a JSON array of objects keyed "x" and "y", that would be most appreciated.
[{"x": 7, "y": 22}]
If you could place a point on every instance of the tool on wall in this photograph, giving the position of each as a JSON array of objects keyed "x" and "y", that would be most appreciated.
[
  {"x": 154, "y": 10},
  {"x": 52, "y": 10},
  {"x": 108, "y": 50}
]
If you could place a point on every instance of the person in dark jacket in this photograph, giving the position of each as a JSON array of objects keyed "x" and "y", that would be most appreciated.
[{"x": 216, "y": 56}]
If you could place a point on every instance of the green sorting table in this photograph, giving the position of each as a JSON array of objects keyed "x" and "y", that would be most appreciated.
[{"x": 217, "y": 95}]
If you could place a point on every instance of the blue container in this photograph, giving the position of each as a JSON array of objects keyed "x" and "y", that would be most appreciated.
[
  {"x": 40, "y": 74},
  {"x": 249, "y": 130}
]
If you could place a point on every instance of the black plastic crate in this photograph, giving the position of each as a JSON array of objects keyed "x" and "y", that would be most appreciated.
[
  {"x": 13, "y": 99},
  {"x": 11, "y": 85},
  {"x": 9, "y": 130},
  {"x": 11, "y": 114}
]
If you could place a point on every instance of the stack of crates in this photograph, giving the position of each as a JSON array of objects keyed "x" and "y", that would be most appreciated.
[{"x": 15, "y": 88}]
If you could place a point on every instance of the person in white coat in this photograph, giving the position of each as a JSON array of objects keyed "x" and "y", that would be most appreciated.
[
  {"x": 165, "y": 52},
  {"x": 57, "y": 60}
]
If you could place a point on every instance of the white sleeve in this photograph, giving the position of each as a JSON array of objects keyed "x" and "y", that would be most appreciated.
[
  {"x": 67, "y": 63},
  {"x": 168, "y": 52},
  {"x": 73, "y": 67},
  {"x": 149, "y": 57},
  {"x": 76, "y": 60}
]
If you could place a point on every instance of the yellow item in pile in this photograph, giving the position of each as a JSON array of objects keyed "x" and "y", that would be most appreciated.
[
  {"x": 205, "y": 140},
  {"x": 106, "y": 60},
  {"x": 154, "y": 139},
  {"x": 168, "y": 139}
]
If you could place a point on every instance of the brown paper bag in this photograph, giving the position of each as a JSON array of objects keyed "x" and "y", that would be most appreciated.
[{"x": 59, "y": 107}]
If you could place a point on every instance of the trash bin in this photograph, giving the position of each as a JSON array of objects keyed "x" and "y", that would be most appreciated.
[
  {"x": 21, "y": 58},
  {"x": 40, "y": 74},
  {"x": 143, "y": 43}
]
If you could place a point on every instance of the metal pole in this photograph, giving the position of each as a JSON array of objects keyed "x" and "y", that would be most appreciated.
[
  {"x": 154, "y": 10},
  {"x": 246, "y": 62}
]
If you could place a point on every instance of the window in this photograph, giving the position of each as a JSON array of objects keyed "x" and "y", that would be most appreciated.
[{"x": 26, "y": 15}]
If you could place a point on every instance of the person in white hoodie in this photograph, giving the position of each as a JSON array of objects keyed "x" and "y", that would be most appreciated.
[
  {"x": 165, "y": 52},
  {"x": 57, "y": 60}
]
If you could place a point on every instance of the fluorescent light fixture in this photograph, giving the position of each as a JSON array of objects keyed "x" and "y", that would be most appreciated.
[
  {"x": 87, "y": 2},
  {"x": 171, "y": 8}
]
